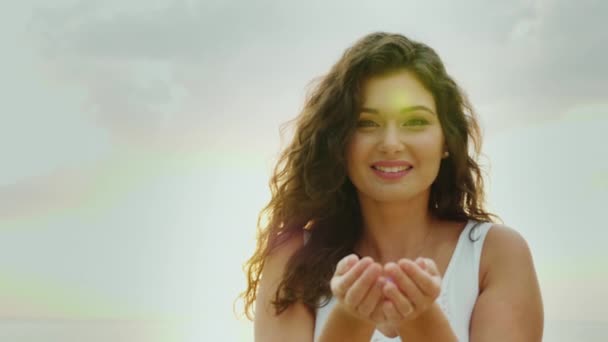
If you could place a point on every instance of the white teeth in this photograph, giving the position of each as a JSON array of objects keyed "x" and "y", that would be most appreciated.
[{"x": 392, "y": 169}]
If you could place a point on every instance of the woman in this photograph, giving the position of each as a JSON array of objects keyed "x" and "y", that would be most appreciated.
[{"x": 376, "y": 228}]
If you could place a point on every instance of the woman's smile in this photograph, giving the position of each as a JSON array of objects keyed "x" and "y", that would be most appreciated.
[
  {"x": 391, "y": 169},
  {"x": 392, "y": 173}
]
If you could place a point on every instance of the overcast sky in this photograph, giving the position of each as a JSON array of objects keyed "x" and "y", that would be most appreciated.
[{"x": 137, "y": 139}]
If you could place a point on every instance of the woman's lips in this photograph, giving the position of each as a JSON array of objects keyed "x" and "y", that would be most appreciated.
[{"x": 391, "y": 175}]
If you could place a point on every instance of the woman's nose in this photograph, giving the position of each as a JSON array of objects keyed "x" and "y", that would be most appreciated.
[{"x": 391, "y": 141}]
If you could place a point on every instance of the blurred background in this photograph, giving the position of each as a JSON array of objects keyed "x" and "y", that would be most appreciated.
[{"x": 137, "y": 140}]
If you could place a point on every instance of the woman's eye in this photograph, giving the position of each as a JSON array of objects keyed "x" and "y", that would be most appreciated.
[
  {"x": 416, "y": 122},
  {"x": 366, "y": 123}
]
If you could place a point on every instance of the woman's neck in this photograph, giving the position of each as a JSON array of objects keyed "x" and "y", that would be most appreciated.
[{"x": 392, "y": 231}]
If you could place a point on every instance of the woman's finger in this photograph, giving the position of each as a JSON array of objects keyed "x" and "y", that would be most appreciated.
[
  {"x": 341, "y": 283},
  {"x": 405, "y": 284},
  {"x": 426, "y": 283},
  {"x": 362, "y": 285},
  {"x": 391, "y": 312},
  {"x": 378, "y": 315},
  {"x": 400, "y": 303},
  {"x": 346, "y": 263},
  {"x": 430, "y": 266},
  {"x": 420, "y": 261},
  {"x": 373, "y": 296}
]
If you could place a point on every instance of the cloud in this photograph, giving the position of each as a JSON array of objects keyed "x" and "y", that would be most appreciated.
[
  {"x": 160, "y": 75},
  {"x": 559, "y": 55},
  {"x": 180, "y": 73}
]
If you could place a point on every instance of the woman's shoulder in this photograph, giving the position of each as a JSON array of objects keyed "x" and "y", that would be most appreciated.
[
  {"x": 285, "y": 246},
  {"x": 296, "y": 320},
  {"x": 504, "y": 249},
  {"x": 283, "y": 249},
  {"x": 275, "y": 264},
  {"x": 503, "y": 240},
  {"x": 509, "y": 293}
]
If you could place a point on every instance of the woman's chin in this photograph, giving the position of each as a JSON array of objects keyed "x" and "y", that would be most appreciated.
[{"x": 390, "y": 197}]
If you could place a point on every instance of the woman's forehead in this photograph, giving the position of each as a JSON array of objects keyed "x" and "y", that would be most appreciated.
[{"x": 394, "y": 91}]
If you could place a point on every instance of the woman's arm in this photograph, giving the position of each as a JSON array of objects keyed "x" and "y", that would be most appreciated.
[
  {"x": 296, "y": 323},
  {"x": 509, "y": 306},
  {"x": 341, "y": 326},
  {"x": 433, "y": 325}
]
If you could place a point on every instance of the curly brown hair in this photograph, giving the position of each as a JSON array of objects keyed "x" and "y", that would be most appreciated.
[{"x": 310, "y": 188}]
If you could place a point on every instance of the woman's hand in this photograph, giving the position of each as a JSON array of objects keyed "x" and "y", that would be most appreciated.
[
  {"x": 357, "y": 285},
  {"x": 385, "y": 296},
  {"x": 412, "y": 290}
]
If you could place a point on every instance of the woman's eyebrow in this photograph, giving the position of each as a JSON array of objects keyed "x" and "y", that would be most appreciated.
[{"x": 401, "y": 111}]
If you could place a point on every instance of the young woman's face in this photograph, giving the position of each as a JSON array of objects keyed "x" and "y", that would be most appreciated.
[{"x": 398, "y": 144}]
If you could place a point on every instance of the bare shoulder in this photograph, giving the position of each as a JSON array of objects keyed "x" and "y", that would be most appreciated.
[
  {"x": 294, "y": 324},
  {"x": 503, "y": 245},
  {"x": 275, "y": 263},
  {"x": 509, "y": 306}
]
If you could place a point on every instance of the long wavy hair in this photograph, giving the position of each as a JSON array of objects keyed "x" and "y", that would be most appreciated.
[{"x": 310, "y": 188}]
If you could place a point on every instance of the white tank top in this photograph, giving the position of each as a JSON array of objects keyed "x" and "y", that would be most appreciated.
[{"x": 459, "y": 286}]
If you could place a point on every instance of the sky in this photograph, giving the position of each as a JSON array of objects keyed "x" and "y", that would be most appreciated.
[{"x": 138, "y": 138}]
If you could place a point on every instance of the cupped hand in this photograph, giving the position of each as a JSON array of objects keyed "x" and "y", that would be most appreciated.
[
  {"x": 413, "y": 288},
  {"x": 385, "y": 295},
  {"x": 357, "y": 285}
]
